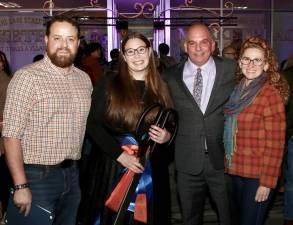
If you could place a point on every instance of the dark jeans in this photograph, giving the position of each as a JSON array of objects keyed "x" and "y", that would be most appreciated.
[
  {"x": 55, "y": 189},
  {"x": 249, "y": 211}
]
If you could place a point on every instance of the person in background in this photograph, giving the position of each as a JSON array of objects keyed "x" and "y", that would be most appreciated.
[
  {"x": 90, "y": 63},
  {"x": 4, "y": 65},
  {"x": 200, "y": 86},
  {"x": 166, "y": 60},
  {"x": 254, "y": 133},
  {"x": 216, "y": 52},
  {"x": 101, "y": 57},
  {"x": 118, "y": 100},
  {"x": 283, "y": 64},
  {"x": 5, "y": 178},
  {"x": 38, "y": 57},
  {"x": 229, "y": 52},
  {"x": 114, "y": 63},
  {"x": 288, "y": 63},
  {"x": 80, "y": 53},
  {"x": 43, "y": 128},
  {"x": 160, "y": 65},
  {"x": 288, "y": 186}
]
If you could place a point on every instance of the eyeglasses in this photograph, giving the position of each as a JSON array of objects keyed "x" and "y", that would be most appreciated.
[
  {"x": 255, "y": 62},
  {"x": 140, "y": 50}
]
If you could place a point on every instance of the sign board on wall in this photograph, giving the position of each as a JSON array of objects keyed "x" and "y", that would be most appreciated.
[{"x": 21, "y": 37}]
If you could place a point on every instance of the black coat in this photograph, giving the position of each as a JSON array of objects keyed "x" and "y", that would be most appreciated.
[{"x": 102, "y": 168}]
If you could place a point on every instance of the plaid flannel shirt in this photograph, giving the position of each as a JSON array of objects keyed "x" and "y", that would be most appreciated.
[
  {"x": 260, "y": 139},
  {"x": 47, "y": 110}
]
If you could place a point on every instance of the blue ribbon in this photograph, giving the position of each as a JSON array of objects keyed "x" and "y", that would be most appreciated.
[
  {"x": 145, "y": 184},
  {"x": 98, "y": 219}
]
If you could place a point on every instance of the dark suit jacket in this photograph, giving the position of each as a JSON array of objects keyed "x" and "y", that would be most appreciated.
[{"x": 195, "y": 127}]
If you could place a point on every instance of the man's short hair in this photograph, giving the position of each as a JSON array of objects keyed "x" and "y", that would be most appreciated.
[
  {"x": 229, "y": 47},
  {"x": 92, "y": 47},
  {"x": 229, "y": 52},
  {"x": 114, "y": 53},
  {"x": 62, "y": 19},
  {"x": 38, "y": 57},
  {"x": 164, "y": 49}
]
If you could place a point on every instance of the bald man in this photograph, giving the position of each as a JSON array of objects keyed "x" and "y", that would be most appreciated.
[{"x": 200, "y": 86}]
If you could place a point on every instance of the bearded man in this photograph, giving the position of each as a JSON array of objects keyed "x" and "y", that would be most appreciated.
[{"x": 43, "y": 128}]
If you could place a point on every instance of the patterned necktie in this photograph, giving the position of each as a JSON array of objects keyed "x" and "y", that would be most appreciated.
[{"x": 197, "y": 87}]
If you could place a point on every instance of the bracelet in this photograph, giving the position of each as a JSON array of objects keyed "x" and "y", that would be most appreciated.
[{"x": 20, "y": 186}]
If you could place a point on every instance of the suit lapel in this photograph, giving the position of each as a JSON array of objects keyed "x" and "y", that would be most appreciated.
[
  {"x": 218, "y": 79},
  {"x": 183, "y": 86}
]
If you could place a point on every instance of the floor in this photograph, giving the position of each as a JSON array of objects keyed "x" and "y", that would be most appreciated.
[{"x": 275, "y": 216}]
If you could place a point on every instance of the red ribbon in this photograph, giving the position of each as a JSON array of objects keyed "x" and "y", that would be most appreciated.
[{"x": 117, "y": 196}]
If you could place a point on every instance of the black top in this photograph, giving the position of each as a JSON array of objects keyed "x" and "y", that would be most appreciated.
[
  {"x": 97, "y": 128},
  {"x": 102, "y": 167}
]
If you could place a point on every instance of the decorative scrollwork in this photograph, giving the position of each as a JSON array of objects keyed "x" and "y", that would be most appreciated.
[
  {"x": 188, "y": 5},
  {"x": 213, "y": 13},
  {"x": 142, "y": 8},
  {"x": 215, "y": 27},
  {"x": 149, "y": 7},
  {"x": 229, "y": 5},
  {"x": 188, "y": 2},
  {"x": 48, "y": 5},
  {"x": 94, "y": 3}
]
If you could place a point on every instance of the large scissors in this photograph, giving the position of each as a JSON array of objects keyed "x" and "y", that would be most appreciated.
[{"x": 163, "y": 117}]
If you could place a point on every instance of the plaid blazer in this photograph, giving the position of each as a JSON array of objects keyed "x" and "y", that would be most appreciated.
[{"x": 260, "y": 139}]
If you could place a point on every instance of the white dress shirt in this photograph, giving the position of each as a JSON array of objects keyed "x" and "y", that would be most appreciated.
[{"x": 208, "y": 71}]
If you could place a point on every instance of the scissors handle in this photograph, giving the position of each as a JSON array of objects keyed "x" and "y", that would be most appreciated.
[{"x": 145, "y": 149}]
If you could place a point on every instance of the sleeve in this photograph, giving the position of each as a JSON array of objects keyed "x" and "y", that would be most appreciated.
[
  {"x": 95, "y": 123},
  {"x": 19, "y": 102},
  {"x": 274, "y": 122}
]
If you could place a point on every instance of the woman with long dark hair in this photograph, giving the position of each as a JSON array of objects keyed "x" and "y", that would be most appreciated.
[{"x": 118, "y": 100}]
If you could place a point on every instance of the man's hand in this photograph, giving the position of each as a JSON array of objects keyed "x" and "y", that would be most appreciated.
[{"x": 22, "y": 199}]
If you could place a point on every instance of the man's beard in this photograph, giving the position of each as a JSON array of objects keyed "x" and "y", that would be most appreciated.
[{"x": 62, "y": 61}]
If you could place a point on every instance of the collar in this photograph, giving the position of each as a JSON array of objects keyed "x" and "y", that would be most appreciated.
[{"x": 192, "y": 67}]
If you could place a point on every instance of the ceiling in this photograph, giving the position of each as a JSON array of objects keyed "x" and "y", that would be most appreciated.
[{"x": 127, "y": 6}]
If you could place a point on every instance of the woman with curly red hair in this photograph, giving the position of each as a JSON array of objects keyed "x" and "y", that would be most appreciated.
[{"x": 254, "y": 134}]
